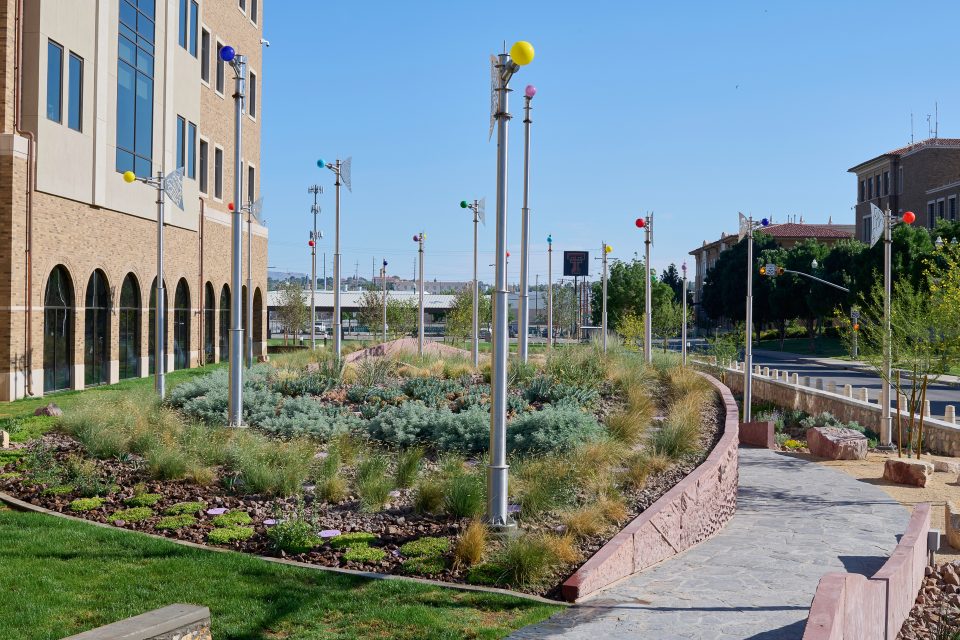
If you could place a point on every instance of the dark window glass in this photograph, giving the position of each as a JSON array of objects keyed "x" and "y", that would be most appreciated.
[
  {"x": 886, "y": 183},
  {"x": 205, "y": 55},
  {"x": 58, "y": 331},
  {"x": 218, "y": 173},
  {"x": 135, "y": 87},
  {"x": 243, "y": 5},
  {"x": 251, "y": 177},
  {"x": 224, "y": 322},
  {"x": 54, "y": 81},
  {"x": 181, "y": 326},
  {"x": 869, "y": 187},
  {"x": 953, "y": 208},
  {"x": 253, "y": 10},
  {"x": 940, "y": 209},
  {"x": 152, "y": 322},
  {"x": 192, "y": 151},
  {"x": 75, "y": 104},
  {"x": 181, "y": 145},
  {"x": 194, "y": 20},
  {"x": 96, "y": 344},
  {"x": 129, "y": 328},
  {"x": 182, "y": 33},
  {"x": 209, "y": 325},
  {"x": 220, "y": 64},
  {"x": 861, "y": 191},
  {"x": 204, "y": 160},
  {"x": 253, "y": 95}
]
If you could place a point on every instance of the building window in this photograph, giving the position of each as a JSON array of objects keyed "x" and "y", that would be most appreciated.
[
  {"x": 181, "y": 142},
  {"x": 886, "y": 183},
  {"x": 218, "y": 173},
  {"x": 930, "y": 213},
  {"x": 182, "y": 34},
  {"x": 869, "y": 188},
  {"x": 192, "y": 151},
  {"x": 876, "y": 182},
  {"x": 220, "y": 64},
  {"x": 863, "y": 186},
  {"x": 243, "y": 5},
  {"x": 251, "y": 176},
  {"x": 900, "y": 179},
  {"x": 75, "y": 88},
  {"x": 135, "y": 87},
  {"x": 205, "y": 55},
  {"x": 253, "y": 10},
  {"x": 194, "y": 23},
  {"x": 204, "y": 151},
  {"x": 54, "y": 81},
  {"x": 940, "y": 209},
  {"x": 952, "y": 207},
  {"x": 253, "y": 95}
]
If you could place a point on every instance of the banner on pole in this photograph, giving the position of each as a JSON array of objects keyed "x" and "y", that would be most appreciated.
[
  {"x": 576, "y": 263},
  {"x": 744, "y": 227},
  {"x": 876, "y": 223},
  {"x": 173, "y": 187}
]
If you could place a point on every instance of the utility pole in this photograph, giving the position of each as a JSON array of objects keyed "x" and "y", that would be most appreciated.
[
  {"x": 523, "y": 306},
  {"x": 316, "y": 190},
  {"x": 383, "y": 276},
  {"x": 549, "y": 292},
  {"x": 683, "y": 334},
  {"x": 419, "y": 240}
]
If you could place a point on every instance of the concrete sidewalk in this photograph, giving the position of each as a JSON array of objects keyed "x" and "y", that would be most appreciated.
[{"x": 796, "y": 520}]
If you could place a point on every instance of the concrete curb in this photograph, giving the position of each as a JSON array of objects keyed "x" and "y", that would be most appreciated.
[{"x": 20, "y": 505}]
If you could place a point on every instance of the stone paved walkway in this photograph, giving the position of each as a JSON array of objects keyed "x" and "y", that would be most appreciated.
[{"x": 795, "y": 521}]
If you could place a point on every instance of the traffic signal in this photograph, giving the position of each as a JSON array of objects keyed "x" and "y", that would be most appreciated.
[
  {"x": 856, "y": 326},
  {"x": 763, "y": 270},
  {"x": 779, "y": 271}
]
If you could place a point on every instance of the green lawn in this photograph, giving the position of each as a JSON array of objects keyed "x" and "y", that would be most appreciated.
[
  {"x": 61, "y": 577},
  {"x": 64, "y": 399},
  {"x": 826, "y": 347}
]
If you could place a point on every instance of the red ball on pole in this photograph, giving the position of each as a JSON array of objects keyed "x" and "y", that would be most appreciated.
[
  {"x": 230, "y": 206},
  {"x": 641, "y": 223},
  {"x": 909, "y": 217},
  {"x": 310, "y": 243},
  {"x": 508, "y": 254}
]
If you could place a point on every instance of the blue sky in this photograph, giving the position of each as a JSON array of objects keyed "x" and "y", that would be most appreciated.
[{"x": 694, "y": 110}]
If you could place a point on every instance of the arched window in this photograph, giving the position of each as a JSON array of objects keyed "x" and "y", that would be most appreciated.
[
  {"x": 224, "y": 323},
  {"x": 209, "y": 324},
  {"x": 96, "y": 331},
  {"x": 181, "y": 326},
  {"x": 257, "y": 319},
  {"x": 152, "y": 320},
  {"x": 130, "y": 328},
  {"x": 243, "y": 308},
  {"x": 58, "y": 331}
]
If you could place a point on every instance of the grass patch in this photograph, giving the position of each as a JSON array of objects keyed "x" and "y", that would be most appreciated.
[
  {"x": 184, "y": 508},
  {"x": 172, "y": 523},
  {"x": 426, "y": 547},
  {"x": 133, "y": 514},
  {"x": 355, "y": 539},
  {"x": 227, "y": 535},
  {"x": 143, "y": 500},
  {"x": 232, "y": 519},
  {"x": 86, "y": 504},
  {"x": 364, "y": 553}
]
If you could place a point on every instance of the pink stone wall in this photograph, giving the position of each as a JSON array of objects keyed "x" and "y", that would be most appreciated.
[
  {"x": 853, "y": 607},
  {"x": 692, "y": 511}
]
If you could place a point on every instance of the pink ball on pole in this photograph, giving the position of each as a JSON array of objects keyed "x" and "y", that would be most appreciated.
[{"x": 530, "y": 91}]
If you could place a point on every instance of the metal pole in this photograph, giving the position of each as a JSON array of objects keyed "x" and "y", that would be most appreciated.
[
  {"x": 235, "y": 411},
  {"x": 420, "y": 321},
  {"x": 683, "y": 334},
  {"x": 603, "y": 314},
  {"x": 497, "y": 470},
  {"x": 315, "y": 209},
  {"x": 476, "y": 290},
  {"x": 160, "y": 356},
  {"x": 748, "y": 359},
  {"x": 523, "y": 322},
  {"x": 549, "y": 295},
  {"x": 886, "y": 420},
  {"x": 648, "y": 306},
  {"x": 383, "y": 276},
  {"x": 336, "y": 272},
  {"x": 249, "y": 333}
]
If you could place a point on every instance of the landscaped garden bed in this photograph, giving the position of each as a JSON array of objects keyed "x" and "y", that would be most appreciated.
[{"x": 379, "y": 465}]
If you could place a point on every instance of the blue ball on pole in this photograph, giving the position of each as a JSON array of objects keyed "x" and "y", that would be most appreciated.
[
  {"x": 227, "y": 53},
  {"x": 321, "y": 164},
  {"x": 765, "y": 222}
]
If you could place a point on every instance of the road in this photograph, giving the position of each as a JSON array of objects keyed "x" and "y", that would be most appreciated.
[{"x": 939, "y": 394}]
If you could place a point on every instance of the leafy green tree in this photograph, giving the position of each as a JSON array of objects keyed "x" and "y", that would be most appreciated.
[
  {"x": 725, "y": 286},
  {"x": 671, "y": 278},
  {"x": 370, "y": 312},
  {"x": 292, "y": 310},
  {"x": 667, "y": 320},
  {"x": 626, "y": 292},
  {"x": 401, "y": 316},
  {"x": 460, "y": 316},
  {"x": 630, "y": 327}
]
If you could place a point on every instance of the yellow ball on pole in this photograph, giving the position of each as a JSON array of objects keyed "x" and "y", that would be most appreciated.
[
  {"x": 521, "y": 52},
  {"x": 608, "y": 248},
  {"x": 129, "y": 176}
]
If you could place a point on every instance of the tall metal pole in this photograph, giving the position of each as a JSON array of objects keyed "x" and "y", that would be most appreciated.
[
  {"x": 549, "y": 293},
  {"x": 603, "y": 312},
  {"x": 476, "y": 290},
  {"x": 748, "y": 358},
  {"x": 383, "y": 276},
  {"x": 160, "y": 326},
  {"x": 420, "y": 312},
  {"x": 886, "y": 419},
  {"x": 683, "y": 334},
  {"x": 648, "y": 305},
  {"x": 315, "y": 209},
  {"x": 497, "y": 475},
  {"x": 249, "y": 333},
  {"x": 235, "y": 410},
  {"x": 523, "y": 324},
  {"x": 336, "y": 271}
]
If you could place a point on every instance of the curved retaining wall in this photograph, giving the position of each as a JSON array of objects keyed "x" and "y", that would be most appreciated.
[
  {"x": 850, "y": 606},
  {"x": 692, "y": 511}
]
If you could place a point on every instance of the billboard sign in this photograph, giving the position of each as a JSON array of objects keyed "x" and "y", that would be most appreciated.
[{"x": 576, "y": 263}]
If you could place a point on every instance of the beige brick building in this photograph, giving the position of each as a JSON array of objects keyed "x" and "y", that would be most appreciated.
[{"x": 92, "y": 88}]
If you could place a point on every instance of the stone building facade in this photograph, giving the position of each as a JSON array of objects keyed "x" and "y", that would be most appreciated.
[{"x": 90, "y": 89}]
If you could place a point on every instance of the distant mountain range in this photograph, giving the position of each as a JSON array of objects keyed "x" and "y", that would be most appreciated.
[{"x": 285, "y": 275}]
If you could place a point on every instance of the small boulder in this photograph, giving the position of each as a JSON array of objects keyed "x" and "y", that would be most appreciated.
[
  {"x": 50, "y": 410},
  {"x": 905, "y": 471},
  {"x": 946, "y": 466},
  {"x": 836, "y": 443}
]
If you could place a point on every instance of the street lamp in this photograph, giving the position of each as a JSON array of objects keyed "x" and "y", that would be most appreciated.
[
  {"x": 419, "y": 238},
  {"x": 316, "y": 190},
  {"x": 938, "y": 242},
  {"x": 478, "y": 208},
  {"x": 170, "y": 185},
  {"x": 647, "y": 225},
  {"x": 549, "y": 292},
  {"x": 342, "y": 170},
  {"x": 503, "y": 67},
  {"x": 523, "y": 324},
  {"x": 747, "y": 226},
  {"x": 683, "y": 333}
]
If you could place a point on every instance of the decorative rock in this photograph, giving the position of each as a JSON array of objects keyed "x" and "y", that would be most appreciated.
[
  {"x": 269, "y": 522},
  {"x": 835, "y": 443},
  {"x": 219, "y": 511},
  {"x": 329, "y": 533},
  {"x": 904, "y": 471},
  {"x": 50, "y": 410},
  {"x": 950, "y": 575},
  {"x": 946, "y": 466},
  {"x": 951, "y": 517}
]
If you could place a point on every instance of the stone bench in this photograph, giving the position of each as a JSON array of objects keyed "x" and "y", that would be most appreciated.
[{"x": 174, "y": 622}]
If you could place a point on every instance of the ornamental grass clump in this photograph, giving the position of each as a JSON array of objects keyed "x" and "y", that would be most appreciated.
[
  {"x": 472, "y": 545},
  {"x": 464, "y": 495},
  {"x": 642, "y": 466},
  {"x": 409, "y": 462},
  {"x": 84, "y": 477},
  {"x": 543, "y": 484},
  {"x": 529, "y": 560},
  {"x": 428, "y": 496},
  {"x": 372, "y": 483},
  {"x": 270, "y": 467},
  {"x": 679, "y": 434},
  {"x": 580, "y": 366}
]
